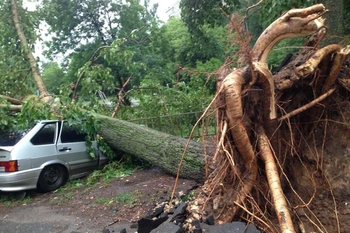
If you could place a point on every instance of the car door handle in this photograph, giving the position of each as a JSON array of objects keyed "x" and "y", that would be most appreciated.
[{"x": 65, "y": 149}]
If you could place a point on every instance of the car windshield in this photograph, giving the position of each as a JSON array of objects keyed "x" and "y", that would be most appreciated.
[{"x": 11, "y": 138}]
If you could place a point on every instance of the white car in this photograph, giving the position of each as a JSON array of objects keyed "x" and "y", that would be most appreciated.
[{"x": 45, "y": 157}]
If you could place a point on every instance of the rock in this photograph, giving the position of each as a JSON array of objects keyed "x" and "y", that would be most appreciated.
[
  {"x": 116, "y": 229},
  {"x": 163, "y": 215},
  {"x": 155, "y": 212},
  {"x": 170, "y": 227},
  {"x": 210, "y": 220},
  {"x": 180, "y": 210},
  {"x": 146, "y": 225},
  {"x": 233, "y": 227},
  {"x": 196, "y": 227}
]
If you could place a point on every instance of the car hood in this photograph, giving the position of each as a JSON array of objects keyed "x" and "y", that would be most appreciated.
[{"x": 6, "y": 148}]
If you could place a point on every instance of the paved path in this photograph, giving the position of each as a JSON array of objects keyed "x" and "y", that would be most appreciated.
[{"x": 24, "y": 219}]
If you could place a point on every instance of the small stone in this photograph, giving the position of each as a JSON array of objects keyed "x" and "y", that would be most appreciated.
[
  {"x": 195, "y": 216},
  {"x": 114, "y": 230},
  {"x": 210, "y": 220},
  {"x": 194, "y": 208}
]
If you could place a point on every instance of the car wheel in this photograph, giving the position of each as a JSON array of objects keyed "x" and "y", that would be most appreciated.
[{"x": 51, "y": 178}]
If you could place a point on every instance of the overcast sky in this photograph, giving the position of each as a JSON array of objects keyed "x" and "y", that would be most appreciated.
[
  {"x": 164, "y": 10},
  {"x": 164, "y": 7}
]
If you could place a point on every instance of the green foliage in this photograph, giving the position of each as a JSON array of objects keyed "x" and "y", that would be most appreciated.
[
  {"x": 16, "y": 78},
  {"x": 190, "y": 196},
  {"x": 53, "y": 76},
  {"x": 197, "y": 13},
  {"x": 113, "y": 170},
  {"x": 100, "y": 21},
  {"x": 282, "y": 49},
  {"x": 13, "y": 199},
  {"x": 7, "y": 118},
  {"x": 186, "y": 49},
  {"x": 272, "y": 9},
  {"x": 33, "y": 109},
  {"x": 347, "y": 17}
]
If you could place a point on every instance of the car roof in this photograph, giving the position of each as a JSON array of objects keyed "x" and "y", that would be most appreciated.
[{"x": 47, "y": 121}]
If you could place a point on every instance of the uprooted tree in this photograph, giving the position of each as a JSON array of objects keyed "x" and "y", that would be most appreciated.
[{"x": 255, "y": 113}]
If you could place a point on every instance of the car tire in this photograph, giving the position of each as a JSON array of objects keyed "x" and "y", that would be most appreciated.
[{"x": 51, "y": 178}]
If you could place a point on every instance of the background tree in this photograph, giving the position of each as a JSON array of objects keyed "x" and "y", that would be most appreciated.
[
  {"x": 53, "y": 77},
  {"x": 89, "y": 25},
  {"x": 14, "y": 66}
]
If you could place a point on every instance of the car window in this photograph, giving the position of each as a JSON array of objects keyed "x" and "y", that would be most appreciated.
[
  {"x": 70, "y": 133},
  {"x": 45, "y": 136},
  {"x": 11, "y": 138}
]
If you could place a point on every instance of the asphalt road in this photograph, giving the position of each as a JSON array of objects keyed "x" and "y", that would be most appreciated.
[
  {"x": 24, "y": 219},
  {"x": 35, "y": 227}
]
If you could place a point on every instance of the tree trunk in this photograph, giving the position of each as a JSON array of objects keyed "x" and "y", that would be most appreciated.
[
  {"x": 43, "y": 93},
  {"x": 160, "y": 149}
]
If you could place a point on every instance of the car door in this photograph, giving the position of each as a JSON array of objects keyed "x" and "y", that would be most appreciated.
[
  {"x": 41, "y": 148},
  {"x": 71, "y": 148}
]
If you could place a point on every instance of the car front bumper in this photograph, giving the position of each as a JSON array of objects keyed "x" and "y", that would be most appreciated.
[{"x": 19, "y": 181}]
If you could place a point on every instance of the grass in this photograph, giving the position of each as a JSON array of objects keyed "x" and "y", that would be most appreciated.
[
  {"x": 110, "y": 171},
  {"x": 10, "y": 199},
  {"x": 102, "y": 177}
]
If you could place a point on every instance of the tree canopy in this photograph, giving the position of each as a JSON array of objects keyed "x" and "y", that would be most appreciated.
[{"x": 104, "y": 43}]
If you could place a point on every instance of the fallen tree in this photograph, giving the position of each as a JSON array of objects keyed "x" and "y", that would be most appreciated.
[
  {"x": 255, "y": 142},
  {"x": 160, "y": 149}
]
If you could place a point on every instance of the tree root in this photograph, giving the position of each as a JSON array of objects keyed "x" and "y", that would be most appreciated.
[
  {"x": 280, "y": 204},
  {"x": 246, "y": 131},
  {"x": 309, "y": 66},
  {"x": 338, "y": 61},
  {"x": 307, "y": 106},
  {"x": 294, "y": 23}
]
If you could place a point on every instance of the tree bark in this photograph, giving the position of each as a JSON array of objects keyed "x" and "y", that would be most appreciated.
[
  {"x": 160, "y": 149},
  {"x": 43, "y": 93}
]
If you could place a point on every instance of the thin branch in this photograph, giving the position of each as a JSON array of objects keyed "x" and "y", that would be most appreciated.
[
  {"x": 249, "y": 8},
  {"x": 11, "y": 100},
  {"x": 120, "y": 97},
  {"x": 15, "y": 108}
]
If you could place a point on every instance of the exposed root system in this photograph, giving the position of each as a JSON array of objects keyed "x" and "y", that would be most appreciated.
[{"x": 254, "y": 112}]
